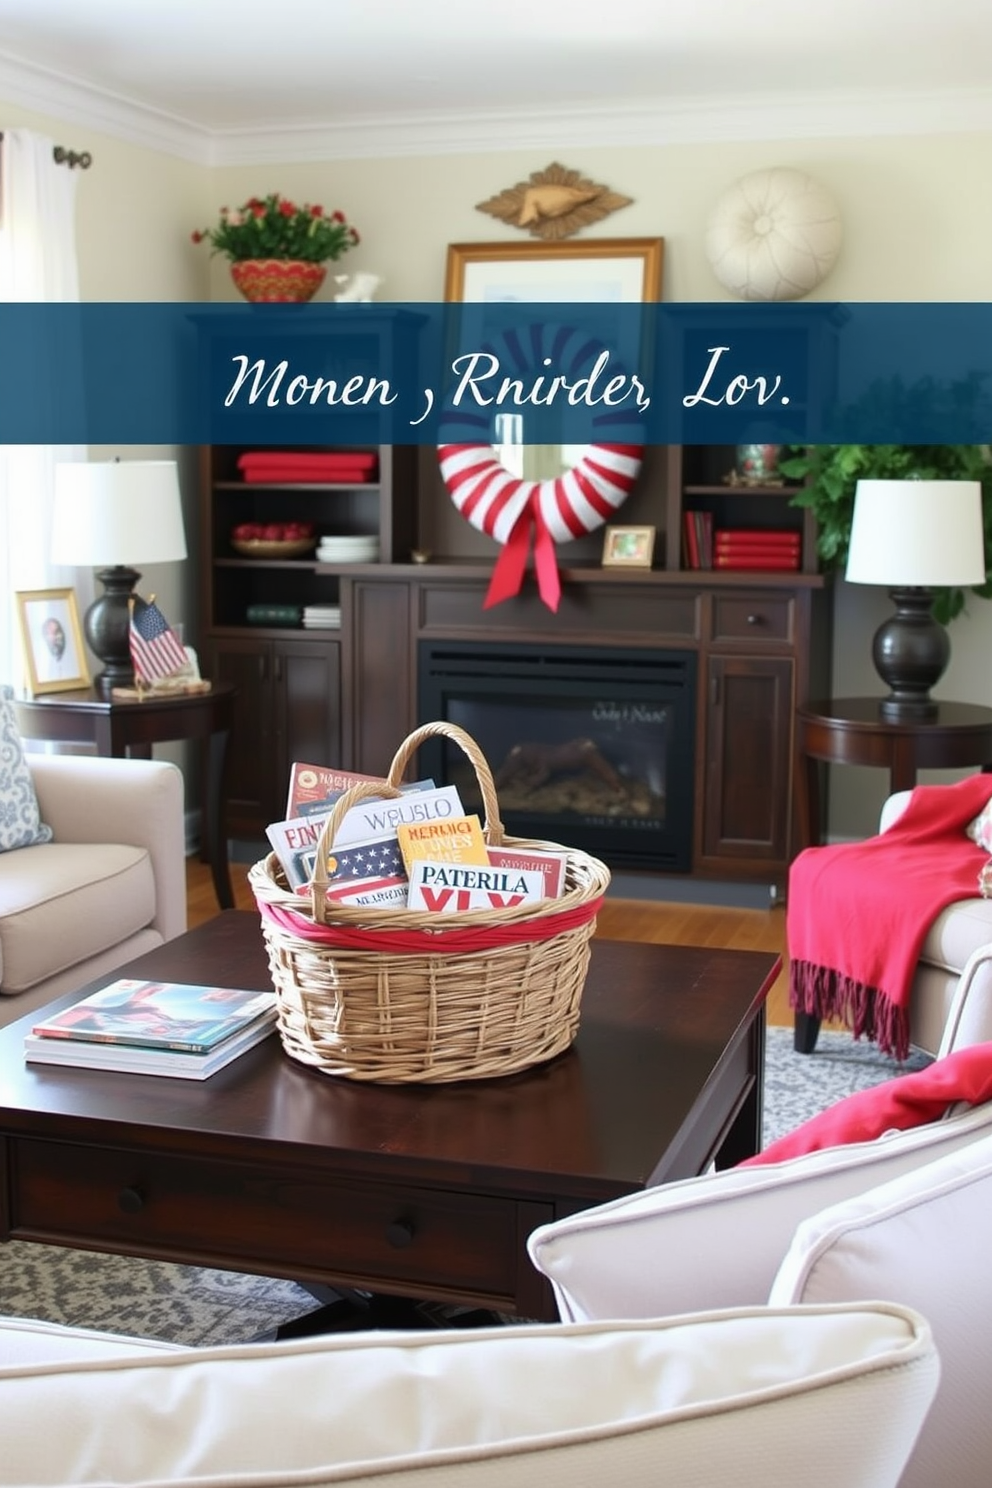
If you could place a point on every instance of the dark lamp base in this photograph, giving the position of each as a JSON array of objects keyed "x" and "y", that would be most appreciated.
[
  {"x": 908, "y": 710},
  {"x": 910, "y": 651},
  {"x": 107, "y": 626}
]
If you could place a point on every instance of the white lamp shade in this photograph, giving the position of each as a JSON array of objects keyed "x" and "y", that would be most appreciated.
[
  {"x": 917, "y": 533},
  {"x": 117, "y": 512}
]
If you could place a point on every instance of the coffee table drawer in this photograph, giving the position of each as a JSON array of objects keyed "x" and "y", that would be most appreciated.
[{"x": 300, "y": 1223}]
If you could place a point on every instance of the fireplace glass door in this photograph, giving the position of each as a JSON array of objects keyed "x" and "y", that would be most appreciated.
[{"x": 589, "y": 746}]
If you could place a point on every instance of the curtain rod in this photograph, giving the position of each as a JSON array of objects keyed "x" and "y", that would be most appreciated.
[{"x": 71, "y": 158}]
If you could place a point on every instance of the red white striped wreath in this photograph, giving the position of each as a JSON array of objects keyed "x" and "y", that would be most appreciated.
[{"x": 551, "y": 511}]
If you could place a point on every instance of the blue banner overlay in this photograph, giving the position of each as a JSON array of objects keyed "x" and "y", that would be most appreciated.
[{"x": 290, "y": 375}]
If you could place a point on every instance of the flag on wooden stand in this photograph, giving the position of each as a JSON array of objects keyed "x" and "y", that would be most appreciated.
[{"x": 155, "y": 648}]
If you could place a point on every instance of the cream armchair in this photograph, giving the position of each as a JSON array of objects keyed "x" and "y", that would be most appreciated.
[
  {"x": 109, "y": 886},
  {"x": 904, "y": 1218}
]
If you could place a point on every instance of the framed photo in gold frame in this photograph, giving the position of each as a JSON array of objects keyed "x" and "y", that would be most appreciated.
[
  {"x": 54, "y": 653},
  {"x": 603, "y": 270},
  {"x": 628, "y": 547}
]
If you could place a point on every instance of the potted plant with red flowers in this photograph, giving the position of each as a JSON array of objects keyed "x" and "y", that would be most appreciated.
[{"x": 278, "y": 249}]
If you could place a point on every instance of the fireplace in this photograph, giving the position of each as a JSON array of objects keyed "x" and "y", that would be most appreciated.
[{"x": 589, "y": 746}]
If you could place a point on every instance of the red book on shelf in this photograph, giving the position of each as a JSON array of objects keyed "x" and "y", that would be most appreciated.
[
  {"x": 756, "y": 561},
  {"x": 350, "y": 467},
  {"x": 769, "y": 539},
  {"x": 704, "y": 537},
  {"x": 690, "y": 543},
  {"x": 756, "y": 552},
  {"x": 328, "y": 459},
  {"x": 783, "y": 550}
]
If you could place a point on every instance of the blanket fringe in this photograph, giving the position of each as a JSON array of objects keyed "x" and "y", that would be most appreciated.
[{"x": 823, "y": 993}]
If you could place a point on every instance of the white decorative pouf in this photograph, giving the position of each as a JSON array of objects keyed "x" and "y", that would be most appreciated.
[{"x": 775, "y": 235}]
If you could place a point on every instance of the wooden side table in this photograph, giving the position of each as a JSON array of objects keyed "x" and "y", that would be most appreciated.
[
  {"x": 122, "y": 729},
  {"x": 852, "y": 731}
]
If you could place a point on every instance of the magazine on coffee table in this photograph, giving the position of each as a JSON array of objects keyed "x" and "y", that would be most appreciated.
[
  {"x": 133, "y": 1059},
  {"x": 179, "y": 1017}
]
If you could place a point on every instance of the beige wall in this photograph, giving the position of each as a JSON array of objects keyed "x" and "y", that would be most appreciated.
[{"x": 918, "y": 225}]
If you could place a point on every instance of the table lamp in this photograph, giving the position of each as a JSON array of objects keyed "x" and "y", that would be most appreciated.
[
  {"x": 115, "y": 513},
  {"x": 914, "y": 536}
]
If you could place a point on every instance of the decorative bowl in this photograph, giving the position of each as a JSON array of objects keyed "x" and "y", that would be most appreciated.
[
  {"x": 263, "y": 547},
  {"x": 284, "y": 280}
]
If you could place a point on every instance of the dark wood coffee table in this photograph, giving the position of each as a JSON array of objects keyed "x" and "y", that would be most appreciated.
[{"x": 427, "y": 1191}]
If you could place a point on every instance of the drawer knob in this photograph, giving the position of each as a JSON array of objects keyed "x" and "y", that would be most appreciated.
[
  {"x": 131, "y": 1200},
  {"x": 753, "y": 619},
  {"x": 400, "y": 1233}
]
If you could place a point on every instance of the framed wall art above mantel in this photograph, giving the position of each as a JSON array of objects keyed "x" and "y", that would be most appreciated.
[
  {"x": 516, "y": 485},
  {"x": 600, "y": 270}
]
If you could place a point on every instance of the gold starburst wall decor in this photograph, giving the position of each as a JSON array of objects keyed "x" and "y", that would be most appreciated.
[{"x": 554, "y": 203}]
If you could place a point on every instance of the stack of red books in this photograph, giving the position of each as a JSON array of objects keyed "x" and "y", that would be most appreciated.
[
  {"x": 290, "y": 467},
  {"x": 756, "y": 548}
]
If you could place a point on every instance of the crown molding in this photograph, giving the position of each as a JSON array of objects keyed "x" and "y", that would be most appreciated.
[
  {"x": 623, "y": 123},
  {"x": 86, "y": 107}
]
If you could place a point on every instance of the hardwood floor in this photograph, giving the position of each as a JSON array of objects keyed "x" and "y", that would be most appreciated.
[{"x": 619, "y": 919}]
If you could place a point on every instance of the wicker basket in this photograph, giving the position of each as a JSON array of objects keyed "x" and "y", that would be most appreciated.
[{"x": 396, "y": 995}]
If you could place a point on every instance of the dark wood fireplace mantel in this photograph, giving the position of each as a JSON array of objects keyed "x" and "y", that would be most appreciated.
[{"x": 755, "y": 660}]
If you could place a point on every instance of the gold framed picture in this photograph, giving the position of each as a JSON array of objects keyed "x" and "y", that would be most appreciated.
[
  {"x": 619, "y": 270},
  {"x": 628, "y": 547},
  {"x": 54, "y": 654}
]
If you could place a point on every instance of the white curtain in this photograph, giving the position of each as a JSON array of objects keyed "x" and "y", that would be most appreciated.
[{"x": 38, "y": 264}]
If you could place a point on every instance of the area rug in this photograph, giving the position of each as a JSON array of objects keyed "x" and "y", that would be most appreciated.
[
  {"x": 198, "y": 1307},
  {"x": 799, "y": 1085}
]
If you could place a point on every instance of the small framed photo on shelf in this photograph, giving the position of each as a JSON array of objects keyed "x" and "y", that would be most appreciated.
[
  {"x": 628, "y": 547},
  {"x": 54, "y": 654}
]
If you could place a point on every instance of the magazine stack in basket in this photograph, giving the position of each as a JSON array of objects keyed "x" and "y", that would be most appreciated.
[{"x": 401, "y": 995}]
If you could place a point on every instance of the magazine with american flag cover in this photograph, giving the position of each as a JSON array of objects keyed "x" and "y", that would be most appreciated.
[{"x": 366, "y": 873}]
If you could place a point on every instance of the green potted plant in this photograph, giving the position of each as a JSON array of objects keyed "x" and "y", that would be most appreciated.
[
  {"x": 831, "y": 473},
  {"x": 278, "y": 249}
]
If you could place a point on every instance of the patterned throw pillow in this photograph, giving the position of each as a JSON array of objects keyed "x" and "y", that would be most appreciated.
[
  {"x": 20, "y": 820},
  {"x": 980, "y": 830}
]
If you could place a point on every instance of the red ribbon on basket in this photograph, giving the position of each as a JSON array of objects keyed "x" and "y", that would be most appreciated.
[{"x": 419, "y": 942}]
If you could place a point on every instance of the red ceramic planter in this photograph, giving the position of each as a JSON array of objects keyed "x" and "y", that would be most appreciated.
[{"x": 277, "y": 279}]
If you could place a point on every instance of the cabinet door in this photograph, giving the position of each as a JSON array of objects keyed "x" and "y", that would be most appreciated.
[
  {"x": 247, "y": 664},
  {"x": 749, "y": 708},
  {"x": 307, "y": 707}
]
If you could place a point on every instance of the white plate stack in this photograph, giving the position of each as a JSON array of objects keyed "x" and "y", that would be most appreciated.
[
  {"x": 360, "y": 549},
  {"x": 321, "y": 617}
]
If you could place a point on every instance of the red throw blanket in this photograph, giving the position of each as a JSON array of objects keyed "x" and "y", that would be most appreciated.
[
  {"x": 858, "y": 913},
  {"x": 896, "y": 1105}
]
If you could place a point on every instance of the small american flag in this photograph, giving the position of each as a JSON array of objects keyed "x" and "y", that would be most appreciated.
[
  {"x": 155, "y": 648},
  {"x": 377, "y": 858}
]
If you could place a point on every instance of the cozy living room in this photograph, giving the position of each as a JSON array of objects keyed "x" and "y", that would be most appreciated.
[{"x": 495, "y": 924}]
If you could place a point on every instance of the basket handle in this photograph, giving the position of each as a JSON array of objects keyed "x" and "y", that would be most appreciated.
[
  {"x": 364, "y": 790},
  {"x": 492, "y": 825}
]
